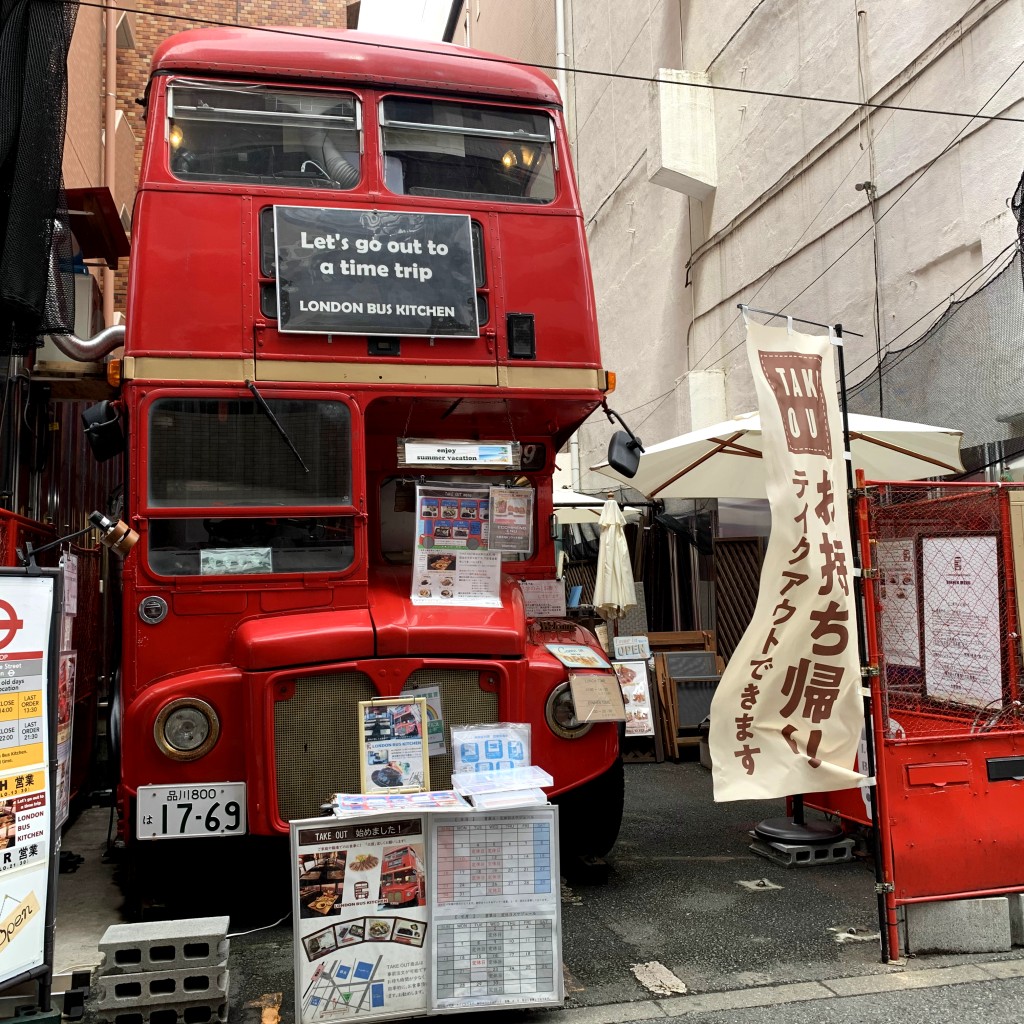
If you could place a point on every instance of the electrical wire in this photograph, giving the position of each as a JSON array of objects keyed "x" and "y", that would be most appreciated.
[
  {"x": 861, "y": 104},
  {"x": 261, "y": 928},
  {"x": 876, "y": 222},
  {"x": 949, "y": 145},
  {"x": 593, "y": 72},
  {"x": 946, "y": 301}
]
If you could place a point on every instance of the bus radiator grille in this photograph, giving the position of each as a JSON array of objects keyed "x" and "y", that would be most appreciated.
[{"x": 316, "y": 739}]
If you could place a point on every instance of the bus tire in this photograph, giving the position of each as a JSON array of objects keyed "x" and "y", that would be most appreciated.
[{"x": 590, "y": 816}]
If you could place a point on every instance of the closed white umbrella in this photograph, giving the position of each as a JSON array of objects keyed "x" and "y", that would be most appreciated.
[
  {"x": 614, "y": 593},
  {"x": 724, "y": 461}
]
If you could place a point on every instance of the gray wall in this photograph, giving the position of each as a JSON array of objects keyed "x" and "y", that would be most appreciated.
[{"x": 785, "y": 205}]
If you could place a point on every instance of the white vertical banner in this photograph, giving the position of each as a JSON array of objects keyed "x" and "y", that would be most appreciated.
[{"x": 787, "y": 715}]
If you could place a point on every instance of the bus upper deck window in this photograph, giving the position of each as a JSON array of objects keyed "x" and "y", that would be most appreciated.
[
  {"x": 252, "y": 134},
  {"x": 463, "y": 151}
]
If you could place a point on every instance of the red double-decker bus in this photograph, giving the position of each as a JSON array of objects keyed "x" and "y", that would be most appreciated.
[{"x": 359, "y": 272}]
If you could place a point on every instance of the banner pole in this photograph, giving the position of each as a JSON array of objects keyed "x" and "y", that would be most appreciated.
[{"x": 858, "y": 586}]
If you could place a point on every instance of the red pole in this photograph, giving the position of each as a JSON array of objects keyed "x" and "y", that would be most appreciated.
[
  {"x": 1009, "y": 590},
  {"x": 883, "y": 848}
]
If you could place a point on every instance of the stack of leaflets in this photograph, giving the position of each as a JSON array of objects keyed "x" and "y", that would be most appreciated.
[
  {"x": 344, "y": 805},
  {"x": 514, "y": 787}
]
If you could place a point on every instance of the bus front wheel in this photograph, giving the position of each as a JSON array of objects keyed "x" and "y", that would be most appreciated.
[{"x": 590, "y": 815}]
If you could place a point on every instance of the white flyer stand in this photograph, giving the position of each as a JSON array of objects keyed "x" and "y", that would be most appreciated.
[{"x": 426, "y": 911}]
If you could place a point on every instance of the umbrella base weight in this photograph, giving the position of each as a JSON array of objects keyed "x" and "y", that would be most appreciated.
[
  {"x": 800, "y": 855},
  {"x": 794, "y": 830}
]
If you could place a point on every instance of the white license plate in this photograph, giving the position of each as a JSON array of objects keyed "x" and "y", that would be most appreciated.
[{"x": 196, "y": 809}]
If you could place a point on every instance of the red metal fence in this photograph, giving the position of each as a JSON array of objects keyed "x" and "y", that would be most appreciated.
[
  {"x": 87, "y": 635},
  {"x": 944, "y": 568}
]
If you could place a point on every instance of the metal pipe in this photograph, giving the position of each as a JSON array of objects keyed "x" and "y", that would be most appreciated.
[
  {"x": 85, "y": 350},
  {"x": 795, "y": 319},
  {"x": 560, "y": 52},
  {"x": 109, "y": 146}
]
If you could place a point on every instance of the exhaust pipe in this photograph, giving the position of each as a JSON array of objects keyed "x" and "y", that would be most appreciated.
[{"x": 86, "y": 350}]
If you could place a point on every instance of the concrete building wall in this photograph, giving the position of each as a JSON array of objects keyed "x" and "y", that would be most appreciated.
[
  {"x": 785, "y": 208},
  {"x": 639, "y": 233},
  {"x": 83, "y": 147},
  {"x": 524, "y": 30},
  {"x": 949, "y": 55}
]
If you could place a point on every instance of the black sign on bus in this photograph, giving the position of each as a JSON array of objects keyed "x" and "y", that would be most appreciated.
[{"x": 343, "y": 271}]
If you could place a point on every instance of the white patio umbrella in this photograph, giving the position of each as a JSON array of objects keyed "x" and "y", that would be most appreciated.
[
  {"x": 573, "y": 507},
  {"x": 614, "y": 593},
  {"x": 724, "y": 461}
]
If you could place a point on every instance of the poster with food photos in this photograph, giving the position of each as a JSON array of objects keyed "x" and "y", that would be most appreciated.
[
  {"x": 360, "y": 917},
  {"x": 511, "y": 526},
  {"x": 453, "y": 517},
  {"x": 451, "y": 562},
  {"x": 636, "y": 695}
]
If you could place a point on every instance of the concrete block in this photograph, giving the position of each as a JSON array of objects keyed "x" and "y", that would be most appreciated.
[
  {"x": 1016, "y": 918},
  {"x": 802, "y": 855},
  {"x": 705, "y": 753},
  {"x": 164, "y": 945},
  {"x": 205, "y": 985},
  {"x": 163, "y": 1013},
  {"x": 959, "y": 926}
]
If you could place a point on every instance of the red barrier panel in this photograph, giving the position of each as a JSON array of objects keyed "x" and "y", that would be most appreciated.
[{"x": 943, "y": 564}]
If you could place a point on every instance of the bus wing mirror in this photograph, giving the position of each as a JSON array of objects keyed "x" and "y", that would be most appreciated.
[
  {"x": 624, "y": 454},
  {"x": 103, "y": 430}
]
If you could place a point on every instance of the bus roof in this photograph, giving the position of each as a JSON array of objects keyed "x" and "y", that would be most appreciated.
[{"x": 331, "y": 54}]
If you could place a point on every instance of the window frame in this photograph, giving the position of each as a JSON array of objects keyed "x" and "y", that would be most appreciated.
[
  {"x": 149, "y": 513},
  {"x": 550, "y": 139},
  {"x": 296, "y": 120}
]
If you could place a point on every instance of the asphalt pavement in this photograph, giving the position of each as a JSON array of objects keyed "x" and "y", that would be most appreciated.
[{"x": 672, "y": 933}]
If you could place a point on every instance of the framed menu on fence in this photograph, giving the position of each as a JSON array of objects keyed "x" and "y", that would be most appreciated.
[
  {"x": 393, "y": 748},
  {"x": 962, "y": 625}
]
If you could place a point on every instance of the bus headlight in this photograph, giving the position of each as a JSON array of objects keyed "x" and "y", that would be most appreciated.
[
  {"x": 186, "y": 729},
  {"x": 560, "y": 711}
]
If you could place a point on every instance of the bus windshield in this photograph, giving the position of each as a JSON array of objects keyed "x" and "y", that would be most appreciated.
[
  {"x": 219, "y": 454},
  {"x": 228, "y": 452},
  {"x": 463, "y": 151},
  {"x": 252, "y": 134}
]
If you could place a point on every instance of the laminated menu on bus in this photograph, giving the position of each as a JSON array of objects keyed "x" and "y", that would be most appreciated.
[
  {"x": 344, "y": 271},
  {"x": 511, "y": 526},
  {"x": 451, "y": 563}
]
